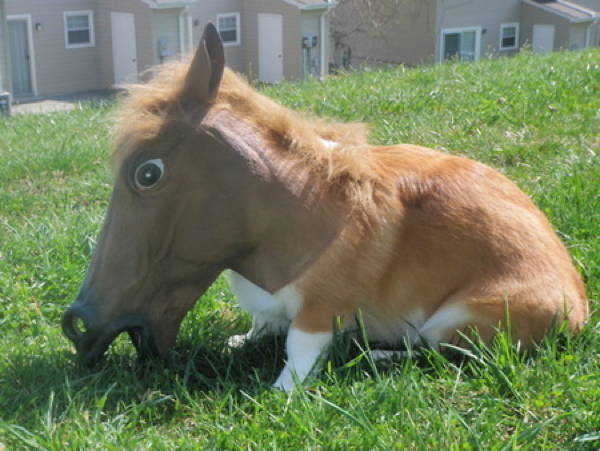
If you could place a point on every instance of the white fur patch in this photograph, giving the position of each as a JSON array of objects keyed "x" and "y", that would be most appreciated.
[
  {"x": 304, "y": 350},
  {"x": 251, "y": 297},
  {"x": 453, "y": 316},
  {"x": 329, "y": 144},
  {"x": 395, "y": 331},
  {"x": 271, "y": 313}
]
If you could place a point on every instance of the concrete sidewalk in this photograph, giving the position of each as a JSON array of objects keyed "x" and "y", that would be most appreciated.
[{"x": 63, "y": 103}]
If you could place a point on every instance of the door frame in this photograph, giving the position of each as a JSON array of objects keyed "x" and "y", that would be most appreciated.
[
  {"x": 31, "y": 48},
  {"x": 259, "y": 45},
  {"x": 114, "y": 60}
]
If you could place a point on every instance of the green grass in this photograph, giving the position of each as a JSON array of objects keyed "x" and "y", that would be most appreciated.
[{"x": 535, "y": 118}]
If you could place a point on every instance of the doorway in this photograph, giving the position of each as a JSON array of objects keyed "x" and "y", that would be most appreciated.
[
  {"x": 270, "y": 48},
  {"x": 21, "y": 56},
  {"x": 543, "y": 38},
  {"x": 124, "y": 48}
]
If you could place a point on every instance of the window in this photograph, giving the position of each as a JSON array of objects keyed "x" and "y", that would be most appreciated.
[
  {"x": 79, "y": 29},
  {"x": 462, "y": 44},
  {"x": 509, "y": 36},
  {"x": 229, "y": 28}
]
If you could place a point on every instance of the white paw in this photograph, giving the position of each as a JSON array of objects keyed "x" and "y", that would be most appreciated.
[{"x": 285, "y": 381}]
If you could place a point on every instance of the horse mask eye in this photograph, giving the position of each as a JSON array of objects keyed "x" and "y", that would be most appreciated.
[{"x": 149, "y": 173}]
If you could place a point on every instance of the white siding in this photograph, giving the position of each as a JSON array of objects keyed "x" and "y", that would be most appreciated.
[
  {"x": 205, "y": 11},
  {"x": 59, "y": 70},
  {"x": 165, "y": 26},
  {"x": 311, "y": 58},
  {"x": 487, "y": 14}
]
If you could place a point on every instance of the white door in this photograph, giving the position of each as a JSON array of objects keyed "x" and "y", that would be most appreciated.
[
  {"x": 124, "y": 48},
  {"x": 20, "y": 58},
  {"x": 270, "y": 48},
  {"x": 543, "y": 38}
]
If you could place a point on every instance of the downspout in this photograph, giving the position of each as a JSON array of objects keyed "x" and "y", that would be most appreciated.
[
  {"x": 183, "y": 46},
  {"x": 439, "y": 38},
  {"x": 324, "y": 45}
]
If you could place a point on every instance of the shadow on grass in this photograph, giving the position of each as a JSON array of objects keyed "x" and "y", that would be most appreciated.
[{"x": 54, "y": 385}]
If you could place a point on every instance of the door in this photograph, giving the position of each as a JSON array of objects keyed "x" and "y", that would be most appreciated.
[
  {"x": 20, "y": 57},
  {"x": 270, "y": 48},
  {"x": 543, "y": 38},
  {"x": 124, "y": 48}
]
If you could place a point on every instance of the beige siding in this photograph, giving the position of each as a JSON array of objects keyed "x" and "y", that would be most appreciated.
[
  {"x": 487, "y": 14},
  {"x": 4, "y": 82},
  {"x": 58, "y": 70},
  {"x": 401, "y": 31},
  {"x": 165, "y": 26},
  {"x": 143, "y": 31},
  {"x": 578, "y": 36},
  {"x": 205, "y": 11},
  {"x": 532, "y": 15},
  {"x": 311, "y": 26},
  {"x": 292, "y": 45}
]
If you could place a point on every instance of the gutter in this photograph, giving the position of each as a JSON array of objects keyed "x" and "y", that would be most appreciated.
[
  {"x": 303, "y": 7},
  {"x": 318, "y": 6},
  {"x": 155, "y": 4},
  {"x": 576, "y": 7}
]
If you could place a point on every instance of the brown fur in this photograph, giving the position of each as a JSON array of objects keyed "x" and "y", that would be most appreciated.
[
  {"x": 443, "y": 230},
  {"x": 353, "y": 171},
  {"x": 460, "y": 233}
]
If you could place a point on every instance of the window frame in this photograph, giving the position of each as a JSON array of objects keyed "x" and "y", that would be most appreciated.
[
  {"x": 90, "y": 14},
  {"x": 445, "y": 31},
  {"x": 502, "y": 28},
  {"x": 238, "y": 22}
]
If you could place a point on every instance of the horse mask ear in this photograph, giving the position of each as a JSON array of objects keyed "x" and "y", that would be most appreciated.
[{"x": 205, "y": 72}]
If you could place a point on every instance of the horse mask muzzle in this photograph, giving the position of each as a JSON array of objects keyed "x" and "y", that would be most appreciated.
[{"x": 92, "y": 338}]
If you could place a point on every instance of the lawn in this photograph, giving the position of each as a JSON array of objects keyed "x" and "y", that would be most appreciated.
[{"x": 536, "y": 118}]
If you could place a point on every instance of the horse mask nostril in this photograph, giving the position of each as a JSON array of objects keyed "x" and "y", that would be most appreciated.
[{"x": 73, "y": 326}]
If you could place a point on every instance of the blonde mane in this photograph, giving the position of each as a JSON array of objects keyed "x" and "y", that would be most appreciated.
[{"x": 349, "y": 168}]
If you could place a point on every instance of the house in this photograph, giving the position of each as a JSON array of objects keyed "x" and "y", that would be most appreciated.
[
  {"x": 62, "y": 47},
  {"x": 425, "y": 31}
]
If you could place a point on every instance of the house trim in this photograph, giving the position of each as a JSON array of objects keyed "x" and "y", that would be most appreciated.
[
  {"x": 90, "y": 14},
  {"x": 445, "y": 31},
  {"x": 558, "y": 13},
  {"x": 32, "y": 68},
  {"x": 517, "y": 31},
  {"x": 181, "y": 4},
  {"x": 238, "y": 19},
  {"x": 302, "y": 6}
]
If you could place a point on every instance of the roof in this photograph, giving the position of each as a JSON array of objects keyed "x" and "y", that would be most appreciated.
[{"x": 567, "y": 9}]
